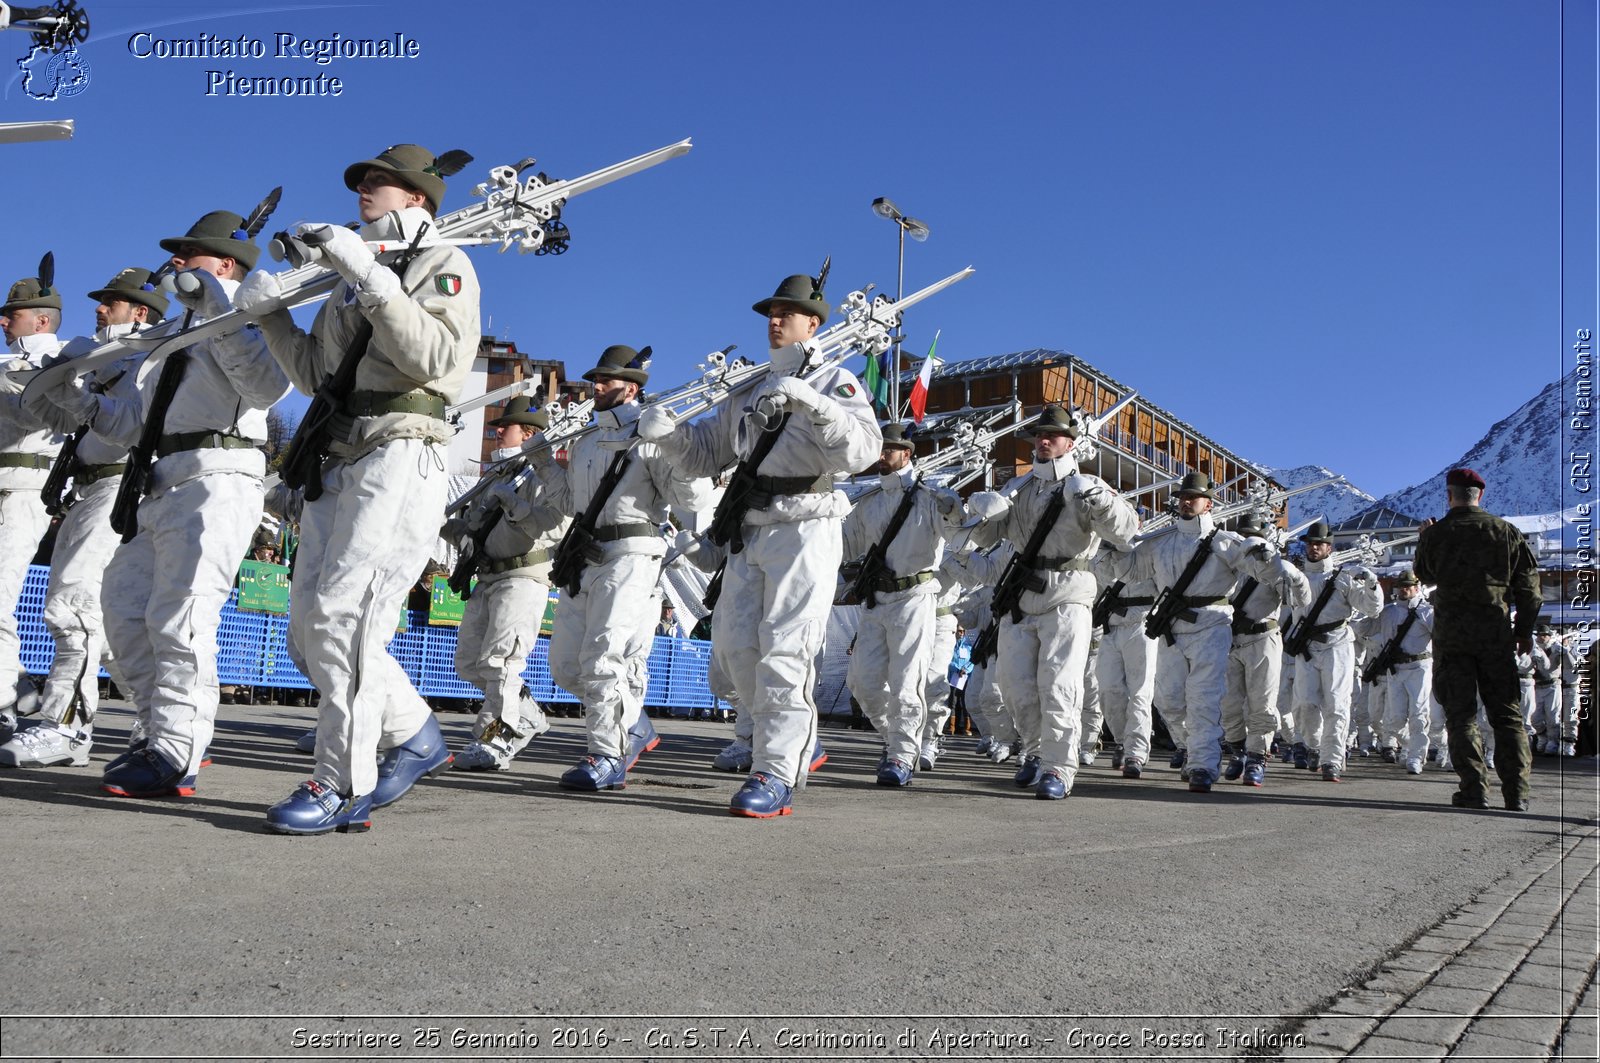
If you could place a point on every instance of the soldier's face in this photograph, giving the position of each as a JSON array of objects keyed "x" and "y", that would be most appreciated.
[
  {"x": 379, "y": 192},
  {"x": 1406, "y": 591},
  {"x": 511, "y": 435},
  {"x": 1318, "y": 551},
  {"x": 609, "y": 391},
  {"x": 787, "y": 323},
  {"x": 190, "y": 257},
  {"x": 1193, "y": 505},
  {"x": 117, "y": 312},
  {"x": 24, "y": 322},
  {"x": 892, "y": 459},
  {"x": 1048, "y": 446}
]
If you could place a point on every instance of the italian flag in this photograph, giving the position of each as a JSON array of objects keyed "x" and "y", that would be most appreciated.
[{"x": 919, "y": 390}]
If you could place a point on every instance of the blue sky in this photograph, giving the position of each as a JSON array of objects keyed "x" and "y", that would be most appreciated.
[{"x": 1322, "y": 233}]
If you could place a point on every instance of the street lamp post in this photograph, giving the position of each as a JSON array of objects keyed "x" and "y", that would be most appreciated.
[{"x": 884, "y": 207}]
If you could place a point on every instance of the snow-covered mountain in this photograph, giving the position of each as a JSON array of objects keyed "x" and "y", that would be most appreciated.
[
  {"x": 1335, "y": 501},
  {"x": 1522, "y": 458}
]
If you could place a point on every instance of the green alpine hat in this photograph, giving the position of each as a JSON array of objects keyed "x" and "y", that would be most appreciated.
[
  {"x": 894, "y": 435},
  {"x": 1057, "y": 419},
  {"x": 222, "y": 234},
  {"x": 522, "y": 410},
  {"x": 1250, "y": 525},
  {"x": 415, "y": 166},
  {"x": 624, "y": 363},
  {"x": 1319, "y": 532},
  {"x": 30, "y": 293},
  {"x": 1197, "y": 485},
  {"x": 137, "y": 285},
  {"x": 1407, "y": 578},
  {"x": 800, "y": 291}
]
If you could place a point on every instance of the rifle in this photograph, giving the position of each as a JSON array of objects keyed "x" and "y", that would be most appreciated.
[
  {"x": 714, "y": 588},
  {"x": 1104, "y": 602},
  {"x": 1017, "y": 577},
  {"x": 136, "y": 476},
  {"x": 741, "y": 490},
  {"x": 874, "y": 564},
  {"x": 472, "y": 557},
  {"x": 516, "y": 211},
  {"x": 54, "y": 491},
  {"x": 578, "y": 547},
  {"x": 1169, "y": 603},
  {"x": 1383, "y": 663},
  {"x": 302, "y": 459},
  {"x": 1298, "y": 642}
]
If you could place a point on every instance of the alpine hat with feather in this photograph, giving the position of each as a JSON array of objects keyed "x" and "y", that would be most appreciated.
[
  {"x": 523, "y": 410},
  {"x": 137, "y": 285},
  {"x": 414, "y": 166},
  {"x": 226, "y": 234},
  {"x": 623, "y": 363},
  {"x": 802, "y": 292},
  {"x": 35, "y": 293}
]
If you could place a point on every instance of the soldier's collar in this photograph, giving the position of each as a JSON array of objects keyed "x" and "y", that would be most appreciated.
[{"x": 618, "y": 416}]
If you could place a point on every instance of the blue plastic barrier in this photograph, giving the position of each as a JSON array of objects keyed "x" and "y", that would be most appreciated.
[{"x": 253, "y": 650}]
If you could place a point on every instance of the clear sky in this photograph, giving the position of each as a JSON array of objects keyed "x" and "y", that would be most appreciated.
[{"x": 1322, "y": 233}]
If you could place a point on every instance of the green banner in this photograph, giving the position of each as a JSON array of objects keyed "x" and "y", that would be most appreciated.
[
  {"x": 445, "y": 606},
  {"x": 263, "y": 587}
]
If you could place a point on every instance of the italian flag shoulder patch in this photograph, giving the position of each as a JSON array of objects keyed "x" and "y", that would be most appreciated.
[
  {"x": 449, "y": 283},
  {"x": 845, "y": 391}
]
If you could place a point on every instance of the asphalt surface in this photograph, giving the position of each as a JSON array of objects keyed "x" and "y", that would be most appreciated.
[{"x": 495, "y": 916}]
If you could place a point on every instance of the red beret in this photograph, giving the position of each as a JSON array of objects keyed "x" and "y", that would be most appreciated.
[{"x": 1464, "y": 478}]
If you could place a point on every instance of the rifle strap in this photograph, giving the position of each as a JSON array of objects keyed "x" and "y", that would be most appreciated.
[
  {"x": 730, "y": 510},
  {"x": 1191, "y": 570},
  {"x": 166, "y": 392},
  {"x": 1242, "y": 595}
]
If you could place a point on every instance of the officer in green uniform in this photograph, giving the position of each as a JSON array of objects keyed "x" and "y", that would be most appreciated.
[{"x": 1483, "y": 569}]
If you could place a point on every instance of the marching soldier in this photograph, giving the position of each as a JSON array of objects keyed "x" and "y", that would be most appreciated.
[
  {"x": 619, "y": 491},
  {"x": 1195, "y": 566},
  {"x": 1483, "y": 570},
  {"x": 1546, "y": 732},
  {"x": 374, "y": 507},
  {"x": 784, "y": 555},
  {"x": 1325, "y": 670},
  {"x": 1255, "y": 659},
  {"x": 28, "y": 446},
  {"x": 1044, "y": 654},
  {"x": 165, "y": 588},
  {"x": 936, "y": 691},
  {"x": 1126, "y": 663},
  {"x": 1572, "y": 700},
  {"x": 85, "y": 540},
  {"x": 1407, "y": 624},
  {"x": 905, "y": 526},
  {"x": 518, "y": 531}
]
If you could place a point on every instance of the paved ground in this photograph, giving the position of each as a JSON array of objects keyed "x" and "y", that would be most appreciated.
[{"x": 498, "y": 917}]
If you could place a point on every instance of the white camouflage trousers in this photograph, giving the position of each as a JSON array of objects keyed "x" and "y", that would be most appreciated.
[
  {"x": 1250, "y": 701},
  {"x": 936, "y": 694},
  {"x": 1126, "y": 668},
  {"x": 1044, "y": 658},
  {"x": 498, "y": 631},
  {"x": 888, "y": 672},
  {"x": 23, "y": 523},
  {"x": 1322, "y": 687},
  {"x": 1408, "y": 696},
  {"x": 363, "y": 545},
  {"x": 987, "y": 704},
  {"x": 601, "y": 640},
  {"x": 85, "y": 544},
  {"x": 1191, "y": 675},
  {"x": 162, "y": 598},
  {"x": 767, "y": 632}
]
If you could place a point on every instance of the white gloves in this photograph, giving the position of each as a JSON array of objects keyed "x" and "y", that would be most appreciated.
[
  {"x": 515, "y": 507},
  {"x": 790, "y": 391},
  {"x": 684, "y": 541},
  {"x": 656, "y": 424},
  {"x": 987, "y": 505},
  {"x": 949, "y": 502},
  {"x": 260, "y": 289},
  {"x": 74, "y": 398},
  {"x": 202, "y": 292},
  {"x": 346, "y": 252}
]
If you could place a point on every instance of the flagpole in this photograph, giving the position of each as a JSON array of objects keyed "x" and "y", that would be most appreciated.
[{"x": 885, "y": 208}]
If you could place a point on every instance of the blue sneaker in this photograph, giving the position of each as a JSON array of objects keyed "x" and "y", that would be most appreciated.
[
  {"x": 1200, "y": 781},
  {"x": 894, "y": 773},
  {"x": 1026, "y": 775},
  {"x": 1052, "y": 787},
  {"x": 819, "y": 756},
  {"x": 594, "y": 773},
  {"x": 1179, "y": 755},
  {"x": 1302, "y": 756},
  {"x": 147, "y": 773},
  {"x": 315, "y": 809},
  {"x": 1255, "y": 770},
  {"x": 642, "y": 738},
  {"x": 399, "y": 769},
  {"x": 762, "y": 797}
]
